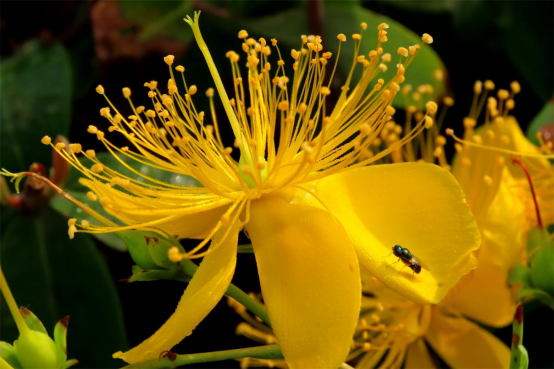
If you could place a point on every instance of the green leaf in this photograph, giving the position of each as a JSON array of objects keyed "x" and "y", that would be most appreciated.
[
  {"x": 520, "y": 275},
  {"x": 545, "y": 117},
  {"x": 75, "y": 189},
  {"x": 159, "y": 18},
  {"x": 347, "y": 20},
  {"x": 55, "y": 277},
  {"x": 35, "y": 85}
]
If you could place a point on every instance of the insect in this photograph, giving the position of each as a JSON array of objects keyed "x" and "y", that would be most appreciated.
[{"x": 407, "y": 258}]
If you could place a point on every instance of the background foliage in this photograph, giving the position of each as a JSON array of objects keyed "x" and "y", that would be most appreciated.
[{"x": 54, "y": 55}]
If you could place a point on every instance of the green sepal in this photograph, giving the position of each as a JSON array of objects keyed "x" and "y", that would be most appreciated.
[
  {"x": 32, "y": 321},
  {"x": 60, "y": 334},
  {"x": 542, "y": 269},
  {"x": 537, "y": 238},
  {"x": 37, "y": 350},
  {"x": 149, "y": 249},
  {"x": 520, "y": 275},
  {"x": 8, "y": 353},
  {"x": 526, "y": 294},
  {"x": 152, "y": 275},
  {"x": 70, "y": 363}
]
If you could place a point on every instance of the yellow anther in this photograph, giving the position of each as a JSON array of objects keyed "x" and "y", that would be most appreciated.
[
  {"x": 438, "y": 152},
  {"x": 75, "y": 148},
  {"x": 477, "y": 139},
  {"x": 71, "y": 222},
  {"x": 71, "y": 231},
  {"x": 125, "y": 148},
  {"x": 490, "y": 134},
  {"x": 151, "y": 94},
  {"x": 153, "y": 85},
  {"x": 97, "y": 168},
  {"x": 469, "y": 122},
  {"x": 92, "y": 196},
  {"x": 389, "y": 110},
  {"x": 243, "y": 34},
  {"x": 503, "y": 94},
  {"x": 372, "y": 54},
  {"x": 283, "y": 105},
  {"x": 516, "y": 87},
  {"x": 90, "y": 154},
  {"x": 403, "y": 51},
  {"x": 365, "y": 128},
  {"x": 383, "y": 67},
  {"x": 478, "y": 87},
  {"x": 85, "y": 223},
  {"x": 210, "y": 92},
  {"x": 140, "y": 109},
  {"x": 363, "y": 25},
  {"x": 379, "y": 306},
  {"x": 174, "y": 255},
  {"x": 295, "y": 54},
  {"x": 489, "y": 85},
  {"x": 360, "y": 58},
  {"x": 488, "y": 180},
  {"x": 382, "y": 26},
  {"x": 383, "y": 39},
  {"x": 192, "y": 90},
  {"x": 505, "y": 139},
  {"x": 150, "y": 113},
  {"x": 169, "y": 59},
  {"x": 302, "y": 108},
  {"x": 274, "y": 41},
  {"x": 438, "y": 74},
  {"x": 280, "y": 63},
  {"x": 448, "y": 101},
  {"x": 250, "y": 42},
  {"x": 46, "y": 140},
  {"x": 341, "y": 37},
  {"x": 427, "y": 38},
  {"x": 449, "y": 131},
  {"x": 60, "y": 145},
  {"x": 357, "y": 36},
  {"x": 325, "y": 91},
  {"x": 180, "y": 68},
  {"x": 250, "y": 111},
  {"x": 394, "y": 87},
  {"x": 441, "y": 140},
  {"x": 459, "y": 148},
  {"x": 466, "y": 162},
  {"x": 227, "y": 151},
  {"x": 100, "y": 89},
  {"x": 510, "y": 104},
  {"x": 92, "y": 129},
  {"x": 267, "y": 67},
  {"x": 126, "y": 92},
  {"x": 431, "y": 107},
  {"x": 428, "y": 122}
]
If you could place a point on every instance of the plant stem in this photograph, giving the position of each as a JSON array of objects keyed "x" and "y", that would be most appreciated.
[
  {"x": 169, "y": 361},
  {"x": 21, "y": 325}
]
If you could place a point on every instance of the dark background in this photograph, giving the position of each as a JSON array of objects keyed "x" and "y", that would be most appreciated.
[{"x": 498, "y": 40}]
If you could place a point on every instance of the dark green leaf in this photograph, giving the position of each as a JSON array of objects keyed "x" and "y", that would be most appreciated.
[
  {"x": 347, "y": 20},
  {"x": 159, "y": 18},
  {"x": 55, "y": 277},
  {"x": 545, "y": 117},
  {"x": 35, "y": 85}
]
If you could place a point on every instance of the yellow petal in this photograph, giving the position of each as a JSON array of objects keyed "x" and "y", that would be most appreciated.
[
  {"x": 484, "y": 294},
  {"x": 204, "y": 291},
  {"x": 418, "y": 356},
  {"x": 415, "y": 205},
  {"x": 310, "y": 280},
  {"x": 463, "y": 344}
]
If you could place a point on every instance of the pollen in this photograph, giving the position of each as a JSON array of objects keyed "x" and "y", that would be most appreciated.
[
  {"x": 100, "y": 89},
  {"x": 169, "y": 60},
  {"x": 427, "y": 38},
  {"x": 46, "y": 140}
]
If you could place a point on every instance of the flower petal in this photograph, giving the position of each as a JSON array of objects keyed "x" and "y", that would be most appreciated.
[
  {"x": 415, "y": 205},
  {"x": 310, "y": 280},
  {"x": 484, "y": 294},
  {"x": 463, "y": 344},
  {"x": 204, "y": 291},
  {"x": 418, "y": 356}
]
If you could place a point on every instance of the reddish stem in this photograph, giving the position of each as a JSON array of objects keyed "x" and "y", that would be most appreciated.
[{"x": 524, "y": 168}]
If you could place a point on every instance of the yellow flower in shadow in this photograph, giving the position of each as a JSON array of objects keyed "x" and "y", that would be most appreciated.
[
  {"x": 396, "y": 330},
  {"x": 302, "y": 188}
]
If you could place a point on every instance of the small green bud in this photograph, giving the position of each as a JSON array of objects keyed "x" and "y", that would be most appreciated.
[
  {"x": 37, "y": 350},
  {"x": 149, "y": 249}
]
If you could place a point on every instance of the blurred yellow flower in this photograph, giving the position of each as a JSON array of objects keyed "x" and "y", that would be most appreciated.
[
  {"x": 302, "y": 189},
  {"x": 500, "y": 198}
]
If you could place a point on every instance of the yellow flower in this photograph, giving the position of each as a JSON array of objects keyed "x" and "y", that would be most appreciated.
[
  {"x": 500, "y": 198},
  {"x": 301, "y": 188}
]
